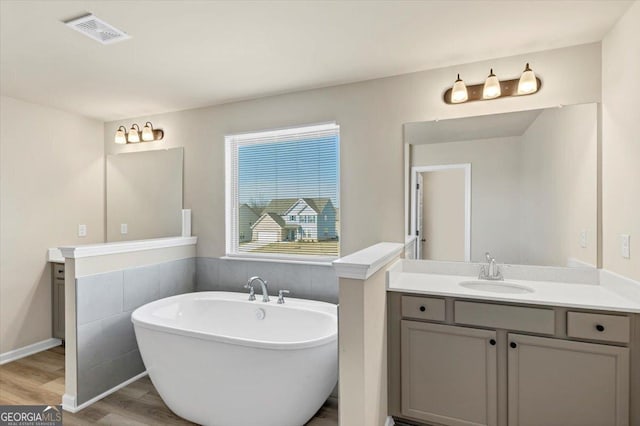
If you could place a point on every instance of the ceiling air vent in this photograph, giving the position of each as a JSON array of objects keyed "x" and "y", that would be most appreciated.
[{"x": 97, "y": 29}]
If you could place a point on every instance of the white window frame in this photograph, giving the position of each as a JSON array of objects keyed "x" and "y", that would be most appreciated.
[{"x": 230, "y": 192}]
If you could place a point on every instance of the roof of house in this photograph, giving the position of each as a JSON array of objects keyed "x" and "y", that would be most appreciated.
[
  {"x": 251, "y": 209},
  {"x": 282, "y": 205},
  {"x": 276, "y": 218}
]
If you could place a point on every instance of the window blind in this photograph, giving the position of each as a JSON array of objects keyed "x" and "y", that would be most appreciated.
[{"x": 283, "y": 192}]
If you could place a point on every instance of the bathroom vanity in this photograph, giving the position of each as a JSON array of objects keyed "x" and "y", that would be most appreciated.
[{"x": 519, "y": 352}]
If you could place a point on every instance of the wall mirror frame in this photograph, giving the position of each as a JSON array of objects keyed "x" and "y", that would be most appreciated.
[
  {"x": 142, "y": 185},
  {"x": 528, "y": 187}
]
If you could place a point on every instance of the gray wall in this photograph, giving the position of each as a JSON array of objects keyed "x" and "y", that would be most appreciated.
[
  {"x": 370, "y": 115},
  {"x": 304, "y": 281},
  {"x": 107, "y": 349}
]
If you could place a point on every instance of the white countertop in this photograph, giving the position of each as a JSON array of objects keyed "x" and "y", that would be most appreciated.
[
  {"x": 54, "y": 255},
  {"x": 89, "y": 250},
  {"x": 364, "y": 263},
  {"x": 572, "y": 295}
]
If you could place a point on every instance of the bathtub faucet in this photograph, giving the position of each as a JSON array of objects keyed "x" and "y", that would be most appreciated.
[{"x": 263, "y": 284}]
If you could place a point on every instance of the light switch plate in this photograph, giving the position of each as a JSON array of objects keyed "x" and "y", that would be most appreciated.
[
  {"x": 583, "y": 238},
  {"x": 124, "y": 228},
  {"x": 82, "y": 230},
  {"x": 625, "y": 245}
]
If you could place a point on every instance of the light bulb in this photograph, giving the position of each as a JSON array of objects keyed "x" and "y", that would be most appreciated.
[
  {"x": 121, "y": 135},
  {"x": 459, "y": 92},
  {"x": 134, "y": 134},
  {"x": 528, "y": 83},
  {"x": 147, "y": 132},
  {"x": 491, "y": 87}
]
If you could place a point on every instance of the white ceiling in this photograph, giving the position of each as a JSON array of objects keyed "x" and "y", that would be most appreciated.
[
  {"x": 470, "y": 128},
  {"x": 186, "y": 54}
]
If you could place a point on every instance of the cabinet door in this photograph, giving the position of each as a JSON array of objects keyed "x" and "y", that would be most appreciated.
[
  {"x": 448, "y": 374},
  {"x": 560, "y": 383},
  {"x": 58, "y": 309}
]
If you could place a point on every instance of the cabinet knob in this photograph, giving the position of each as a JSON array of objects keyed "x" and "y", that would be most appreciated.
[
  {"x": 423, "y": 308},
  {"x": 513, "y": 345},
  {"x": 600, "y": 327},
  {"x": 492, "y": 342}
]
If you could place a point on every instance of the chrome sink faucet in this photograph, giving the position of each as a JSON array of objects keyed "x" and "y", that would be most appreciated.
[
  {"x": 252, "y": 293},
  {"x": 491, "y": 271}
]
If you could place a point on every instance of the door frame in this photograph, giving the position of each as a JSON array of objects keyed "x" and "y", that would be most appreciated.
[{"x": 467, "y": 201}]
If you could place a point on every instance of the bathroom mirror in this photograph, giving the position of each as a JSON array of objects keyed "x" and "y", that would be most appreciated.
[
  {"x": 522, "y": 186},
  {"x": 144, "y": 194}
]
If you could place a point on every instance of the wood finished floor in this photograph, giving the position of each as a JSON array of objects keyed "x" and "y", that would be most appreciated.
[{"x": 39, "y": 379}]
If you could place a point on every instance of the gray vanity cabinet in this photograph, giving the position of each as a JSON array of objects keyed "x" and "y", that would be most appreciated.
[
  {"x": 461, "y": 362},
  {"x": 448, "y": 374},
  {"x": 57, "y": 298},
  {"x": 559, "y": 382}
]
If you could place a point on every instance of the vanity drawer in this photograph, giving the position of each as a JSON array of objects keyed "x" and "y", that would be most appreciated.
[
  {"x": 610, "y": 328},
  {"x": 426, "y": 308},
  {"x": 532, "y": 320},
  {"x": 58, "y": 270}
]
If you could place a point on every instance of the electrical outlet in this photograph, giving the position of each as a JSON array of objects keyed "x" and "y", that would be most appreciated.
[
  {"x": 82, "y": 230},
  {"x": 583, "y": 238},
  {"x": 625, "y": 246},
  {"x": 124, "y": 228}
]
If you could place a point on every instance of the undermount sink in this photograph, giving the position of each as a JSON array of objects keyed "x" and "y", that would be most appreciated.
[{"x": 497, "y": 287}]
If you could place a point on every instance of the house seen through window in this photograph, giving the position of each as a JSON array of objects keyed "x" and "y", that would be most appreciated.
[{"x": 283, "y": 193}]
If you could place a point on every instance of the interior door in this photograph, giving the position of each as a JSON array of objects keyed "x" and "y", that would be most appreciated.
[{"x": 443, "y": 214}]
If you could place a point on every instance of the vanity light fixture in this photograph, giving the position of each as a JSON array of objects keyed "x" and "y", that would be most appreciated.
[
  {"x": 492, "y": 88},
  {"x": 150, "y": 134},
  {"x": 121, "y": 135},
  {"x": 528, "y": 83},
  {"x": 459, "y": 92},
  {"x": 135, "y": 135}
]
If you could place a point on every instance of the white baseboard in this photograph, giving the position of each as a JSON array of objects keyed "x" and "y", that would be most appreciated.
[
  {"x": 69, "y": 402},
  {"x": 29, "y": 350}
]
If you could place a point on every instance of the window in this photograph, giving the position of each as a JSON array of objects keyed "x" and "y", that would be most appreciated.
[{"x": 285, "y": 179}]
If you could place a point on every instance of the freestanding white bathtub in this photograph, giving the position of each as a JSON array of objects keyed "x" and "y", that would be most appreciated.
[{"x": 218, "y": 359}]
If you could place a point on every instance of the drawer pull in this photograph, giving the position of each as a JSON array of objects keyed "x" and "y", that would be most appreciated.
[
  {"x": 423, "y": 308},
  {"x": 513, "y": 345},
  {"x": 600, "y": 327},
  {"x": 492, "y": 342}
]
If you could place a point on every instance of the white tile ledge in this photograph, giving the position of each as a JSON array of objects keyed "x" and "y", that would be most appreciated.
[
  {"x": 55, "y": 255},
  {"x": 364, "y": 263},
  {"x": 275, "y": 260},
  {"x": 89, "y": 250}
]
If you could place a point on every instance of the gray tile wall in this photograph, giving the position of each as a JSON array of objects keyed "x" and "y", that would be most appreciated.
[
  {"x": 304, "y": 281},
  {"x": 107, "y": 350}
]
